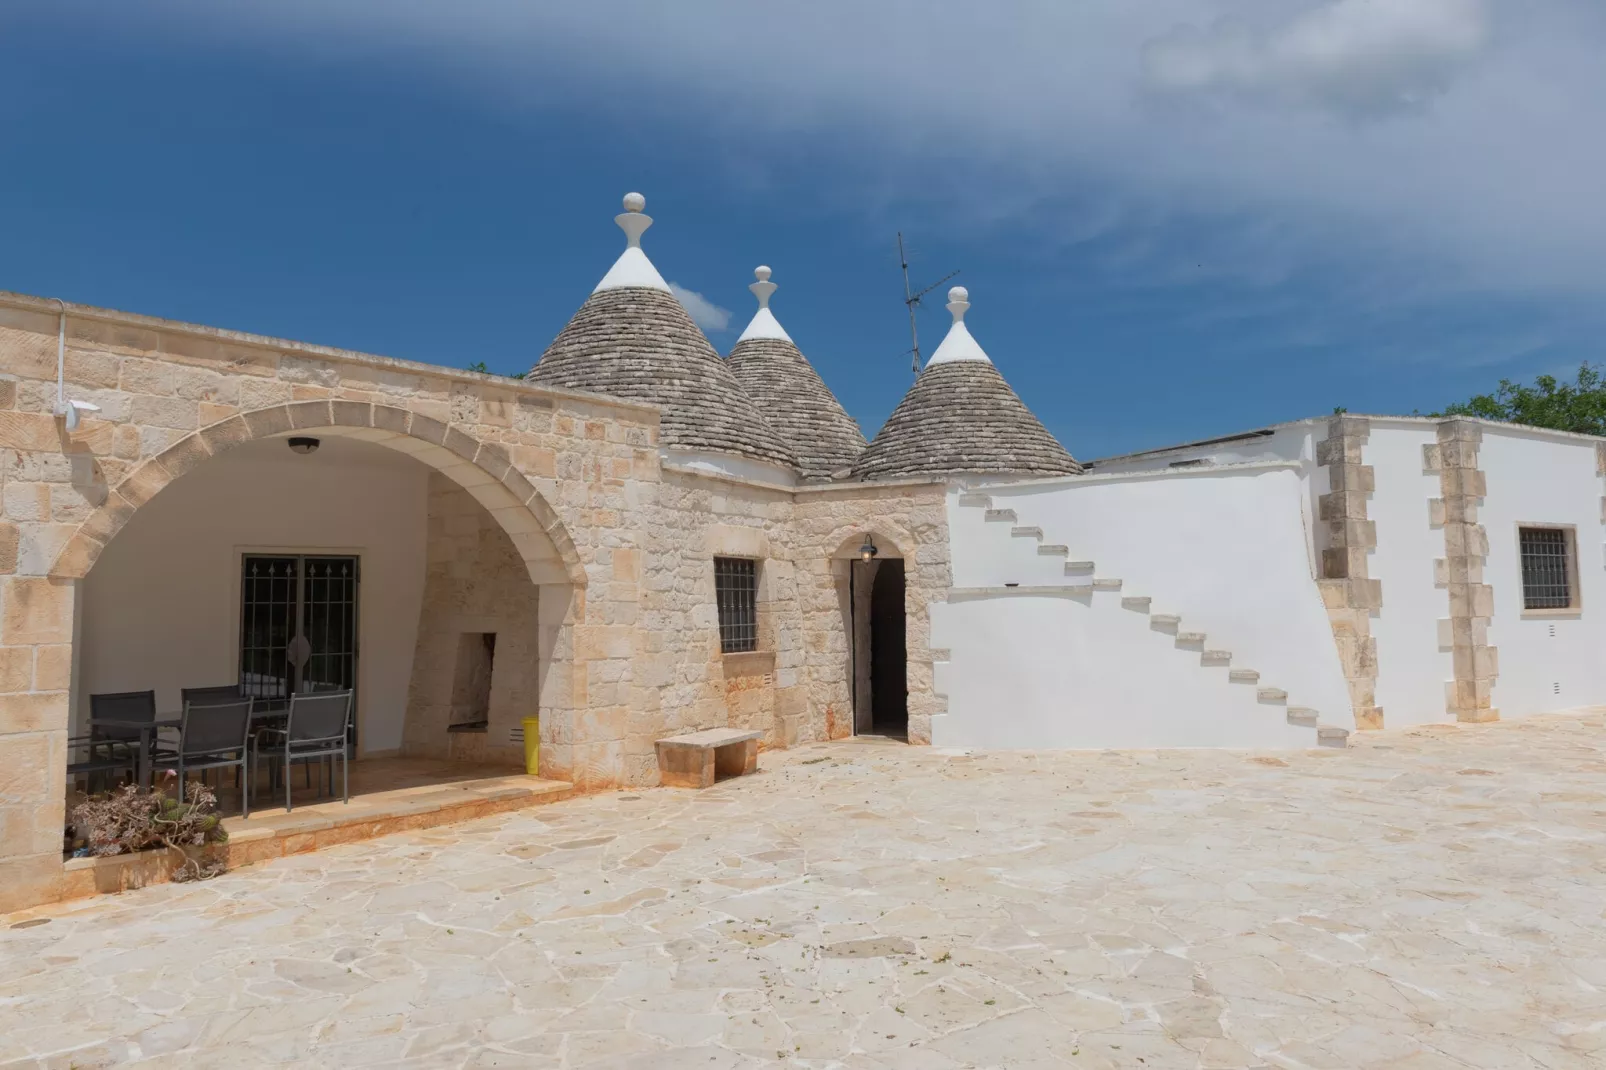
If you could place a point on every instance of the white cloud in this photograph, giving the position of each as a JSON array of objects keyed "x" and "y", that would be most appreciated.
[
  {"x": 1045, "y": 111},
  {"x": 703, "y": 312},
  {"x": 1355, "y": 57}
]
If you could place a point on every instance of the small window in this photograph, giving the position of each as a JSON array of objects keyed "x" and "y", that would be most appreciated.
[
  {"x": 736, "y": 593},
  {"x": 1549, "y": 568}
]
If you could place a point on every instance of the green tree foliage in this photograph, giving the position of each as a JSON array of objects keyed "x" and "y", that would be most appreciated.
[
  {"x": 1579, "y": 406},
  {"x": 479, "y": 366}
]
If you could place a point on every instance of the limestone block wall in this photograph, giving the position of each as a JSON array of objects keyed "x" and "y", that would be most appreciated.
[
  {"x": 617, "y": 547},
  {"x": 475, "y": 584},
  {"x": 908, "y": 520},
  {"x": 1466, "y": 547},
  {"x": 561, "y": 473},
  {"x": 1350, "y": 593}
]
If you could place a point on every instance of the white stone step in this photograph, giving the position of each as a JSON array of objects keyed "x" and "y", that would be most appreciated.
[
  {"x": 1140, "y": 605},
  {"x": 1244, "y": 676},
  {"x": 1165, "y": 620},
  {"x": 1303, "y": 716},
  {"x": 1194, "y": 640},
  {"x": 1001, "y": 515},
  {"x": 1027, "y": 533},
  {"x": 1330, "y": 736},
  {"x": 1106, "y": 585},
  {"x": 1052, "y": 550},
  {"x": 1078, "y": 568},
  {"x": 1218, "y": 659},
  {"x": 973, "y": 499},
  {"x": 1271, "y": 694}
]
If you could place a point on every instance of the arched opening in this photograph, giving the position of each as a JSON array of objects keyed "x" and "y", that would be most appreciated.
[
  {"x": 875, "y": 617},
  {"x": 397, "y": 558}
]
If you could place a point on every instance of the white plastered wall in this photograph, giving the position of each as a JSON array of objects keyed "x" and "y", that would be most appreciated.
[
  {"x": 1547, "y": 662},
  {"x": 1226, "y": 549},
  {"x": 1412, "y": 668},
  {"x": 161, "y": 606}
]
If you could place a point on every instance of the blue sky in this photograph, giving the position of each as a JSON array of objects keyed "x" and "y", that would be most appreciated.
[{"x": 1176, "y": 219}]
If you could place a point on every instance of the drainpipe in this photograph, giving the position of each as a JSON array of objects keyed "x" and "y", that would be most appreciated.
[{"x": 72, "y": 411}]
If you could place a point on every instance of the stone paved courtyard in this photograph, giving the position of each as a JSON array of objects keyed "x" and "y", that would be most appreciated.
[{"x": 1424, "y": 900}]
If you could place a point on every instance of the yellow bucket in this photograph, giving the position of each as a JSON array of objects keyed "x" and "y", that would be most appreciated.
[{"x": 532, "y": 745}]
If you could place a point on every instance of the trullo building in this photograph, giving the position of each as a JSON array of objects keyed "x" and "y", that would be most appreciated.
[{"x": 642, "y": 538}]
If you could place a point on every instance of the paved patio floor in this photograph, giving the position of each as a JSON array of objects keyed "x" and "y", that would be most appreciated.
[{"x": 1423, "y": 900}]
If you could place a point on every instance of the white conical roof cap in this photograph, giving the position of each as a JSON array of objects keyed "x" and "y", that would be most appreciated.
[
  {"x": 959, "y": 345},
  {"x": 764, "y": 324},
  {"x": 633, "y": 269}
]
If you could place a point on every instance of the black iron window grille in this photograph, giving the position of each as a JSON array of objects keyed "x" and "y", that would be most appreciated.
[
  {"x": 736, "y": 594},
  {"x": 1546, "y": 568}
]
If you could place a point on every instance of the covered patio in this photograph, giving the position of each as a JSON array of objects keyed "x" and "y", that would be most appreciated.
[
  {"x": 387, "y": 795},
  {"x": 305, "y": 563}
]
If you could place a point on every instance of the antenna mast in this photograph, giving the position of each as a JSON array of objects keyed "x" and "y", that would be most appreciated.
[{"x": 912, "y": 301}]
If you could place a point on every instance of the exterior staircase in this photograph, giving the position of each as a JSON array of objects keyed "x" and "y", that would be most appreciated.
[{"x": 1084, "y": 574}]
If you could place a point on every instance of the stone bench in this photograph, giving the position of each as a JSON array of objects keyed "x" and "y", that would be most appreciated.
[{"x": 697, "y": 759}]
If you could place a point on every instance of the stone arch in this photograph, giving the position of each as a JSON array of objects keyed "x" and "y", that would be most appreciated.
[
  {"x": 484, "y": 469},
  {"x": 844, "y": 541}
]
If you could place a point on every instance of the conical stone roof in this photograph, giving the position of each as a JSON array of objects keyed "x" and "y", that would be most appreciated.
[
  {"x": 632, "y": 339},
  {"x": 962, "y": 417},
  {"x": 776, "y": 375}
]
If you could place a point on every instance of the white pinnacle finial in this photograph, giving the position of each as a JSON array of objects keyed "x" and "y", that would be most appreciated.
[
  {"x": 958, "y": 345},
  {"x": 633, "y": 221},
  {"x": 763, "y": 288},
  {"x": 958, "y": 301}
]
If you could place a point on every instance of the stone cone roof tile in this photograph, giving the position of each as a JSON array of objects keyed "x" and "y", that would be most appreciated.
[
  {"x": 639, "y": 343},
  {"x": 776, "y": 375},
  {"x": 961, "y": 416}
]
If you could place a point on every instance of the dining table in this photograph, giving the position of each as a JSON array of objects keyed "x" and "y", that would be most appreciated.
[{"x": 265, "y": 712}]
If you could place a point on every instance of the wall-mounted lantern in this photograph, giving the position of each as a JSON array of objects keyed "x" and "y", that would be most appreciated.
[{"x": 868, "y": 551}]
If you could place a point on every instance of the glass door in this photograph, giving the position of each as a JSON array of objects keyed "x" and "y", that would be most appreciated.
[{"x": 298, "y": 624}]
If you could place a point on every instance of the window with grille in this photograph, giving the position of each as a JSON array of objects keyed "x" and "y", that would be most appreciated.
[
  {"x": 736, "y": 593},
  {"x": 1547, "y": 568}
]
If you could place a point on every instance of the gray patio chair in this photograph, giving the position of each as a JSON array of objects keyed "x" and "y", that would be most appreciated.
[
  {"x": 214, "y": 736},
  {"x": 120, "y": 713},
  {"x": 315, "y": 729},
  {"x": 210, "y": 696},
  {"x": 115, "y": 721}
]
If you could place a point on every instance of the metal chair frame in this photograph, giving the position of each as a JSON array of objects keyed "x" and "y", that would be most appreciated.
[
  {"x": 313, "y": 747},
  {"x": 223, "y": 755}
]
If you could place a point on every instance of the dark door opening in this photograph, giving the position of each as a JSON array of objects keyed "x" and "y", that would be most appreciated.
[{"x": 889, "y": 684}]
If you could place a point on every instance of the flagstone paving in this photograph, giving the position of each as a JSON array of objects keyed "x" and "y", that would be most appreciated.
[{"x": 1423, "y": 900}]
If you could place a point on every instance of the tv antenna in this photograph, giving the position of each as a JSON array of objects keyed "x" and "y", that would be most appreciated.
[{"x": 912, "y": 300}]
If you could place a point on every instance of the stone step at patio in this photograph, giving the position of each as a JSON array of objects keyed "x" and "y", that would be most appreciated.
[
  {"x": 1000, "y": 515},
  {"x": 1303, "y": 716},
  {"x": 973, "y": 499},
  {"x": 1332, "y": 736},
  {"x": 1271, "y": 694},
  {"x": 1244, "y": 676},
  {"x": 1053, "y": 550},
  {"x": 1136, "y": 603},
  {"x": 1218, "y": 659},
  {"x": 1026, "y": 533}
]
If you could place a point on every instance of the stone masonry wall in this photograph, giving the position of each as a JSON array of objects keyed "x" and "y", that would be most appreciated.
[
  {"x": 1351, "y": 596},
  {"x": 559, "y": 471},
  {"x": 619, "y": 547},
  {"x": 475, "y": 583},
  {"x": 1460, "y": 571}
]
